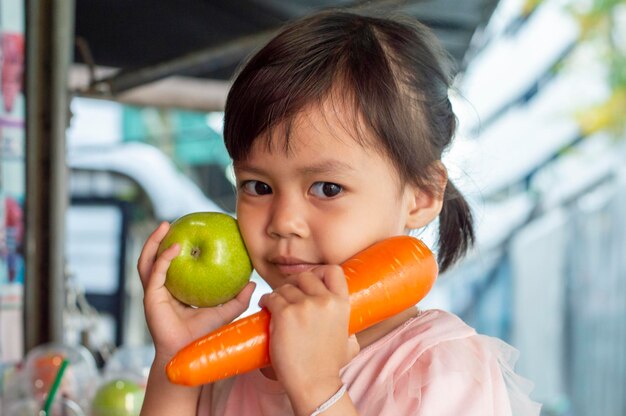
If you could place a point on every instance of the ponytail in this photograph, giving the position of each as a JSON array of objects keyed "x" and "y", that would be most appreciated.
[{"x": 456, "y": 229}]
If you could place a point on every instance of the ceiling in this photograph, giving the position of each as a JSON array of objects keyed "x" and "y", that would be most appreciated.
[{"x": 151, "y": 40}]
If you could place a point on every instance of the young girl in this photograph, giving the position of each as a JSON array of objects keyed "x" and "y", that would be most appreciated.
[{"x": 336, "y": 129}]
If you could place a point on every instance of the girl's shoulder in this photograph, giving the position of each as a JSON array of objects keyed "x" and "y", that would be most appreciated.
[
  {"x": 432, "y": 327},
  {"x": 428, "y": 329},
  {"x": 435, "y": 358},
  {"x": 407, "y": 347},
  {"x": 438, "y": 343}
]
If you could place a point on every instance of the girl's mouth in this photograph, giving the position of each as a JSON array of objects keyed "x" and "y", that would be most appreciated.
[
  {"x": 297, "y": 268},
  {"x": 292, "y": 265}
]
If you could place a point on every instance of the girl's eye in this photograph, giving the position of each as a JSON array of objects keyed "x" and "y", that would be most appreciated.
[
  {"x": 326, "y": 189},
  {"x": 256, "y": 188}
]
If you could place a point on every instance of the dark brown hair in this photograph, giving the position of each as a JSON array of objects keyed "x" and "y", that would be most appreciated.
[{"x": 393, "y": 75}]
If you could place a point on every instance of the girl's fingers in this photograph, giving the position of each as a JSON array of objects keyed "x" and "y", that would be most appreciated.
[
  {"x": 159, "y": 270},
  {"x": 317, "y": 282},
  {"x": 264, "y": 299},
  {"x": 148, "y": 253},
  {"x": 273, "y": 302},
  {"x": 311, "y": 284},
  {"x": 235, "y": 307},
  {"x": 320, "y": 281},
  {"x": 333, "y": 278},
  {"x": 290, "y": 293}
]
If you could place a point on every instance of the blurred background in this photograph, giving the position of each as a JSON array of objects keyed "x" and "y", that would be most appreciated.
[{"x": 111, "y": 121}]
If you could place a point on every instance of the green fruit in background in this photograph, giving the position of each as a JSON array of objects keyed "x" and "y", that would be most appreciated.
[
  {"x": 118, "y": 397},
  {"x": 213, "y": 265}
]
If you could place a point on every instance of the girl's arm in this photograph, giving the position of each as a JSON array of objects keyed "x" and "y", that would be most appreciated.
[
  {"x": 174, "y": 325},
  {"x": 309, "y": 342},
  {"x": 165, "y": 398},
  {"x": 306, "y": 402}
]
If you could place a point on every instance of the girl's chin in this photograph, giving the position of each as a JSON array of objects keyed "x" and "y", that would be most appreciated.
[
  {"x": 292, "y": 269},
  {"x": 276, "y": 275}
]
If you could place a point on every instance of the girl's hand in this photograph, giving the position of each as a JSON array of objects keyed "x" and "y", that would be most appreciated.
[
  {"x": 309, "y": 341},
  {"x": 173, "y": 324}
]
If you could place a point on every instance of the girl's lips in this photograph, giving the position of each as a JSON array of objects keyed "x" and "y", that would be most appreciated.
[
  {"x": 291, "y": 265},
  {"x": 288, "y": 265}
]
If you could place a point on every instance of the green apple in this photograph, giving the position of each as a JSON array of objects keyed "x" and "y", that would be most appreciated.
[
  {"x": 213, "y": 265},
  {"x": 118, "y": 397}
]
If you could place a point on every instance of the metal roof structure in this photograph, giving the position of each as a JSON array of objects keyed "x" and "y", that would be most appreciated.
[{"x": 155, "y": 50}]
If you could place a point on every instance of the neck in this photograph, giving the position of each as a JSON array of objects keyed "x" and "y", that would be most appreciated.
[{"x": 375, "y": 332}]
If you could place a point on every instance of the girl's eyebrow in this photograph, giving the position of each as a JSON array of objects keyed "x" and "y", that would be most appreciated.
[
  {"x": 319, "y": 168},
  {"x": 246, "y": 167},
  {"x": 325, "y": 167}
]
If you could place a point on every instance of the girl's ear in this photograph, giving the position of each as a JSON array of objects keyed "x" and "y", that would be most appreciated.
[{"x": 422, "y": 206}]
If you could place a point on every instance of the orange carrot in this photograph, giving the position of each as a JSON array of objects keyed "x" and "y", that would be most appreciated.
[{"x": 383, "y": 280}]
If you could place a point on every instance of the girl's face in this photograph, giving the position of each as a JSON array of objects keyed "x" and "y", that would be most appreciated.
[{"x": 320, "y": 203}]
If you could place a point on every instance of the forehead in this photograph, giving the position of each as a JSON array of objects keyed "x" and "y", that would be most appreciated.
[
  {"x": 332, "y": 122},
  {"x": 318, "y": 142}
]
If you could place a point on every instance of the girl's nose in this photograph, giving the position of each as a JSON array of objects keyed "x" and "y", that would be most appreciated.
[{"x": 288, "y": 219}]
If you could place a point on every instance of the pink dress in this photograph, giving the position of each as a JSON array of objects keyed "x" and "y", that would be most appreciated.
[{"x": 434, "y": 364}]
